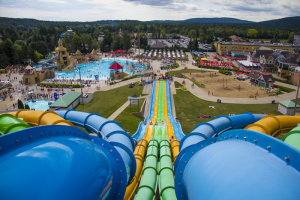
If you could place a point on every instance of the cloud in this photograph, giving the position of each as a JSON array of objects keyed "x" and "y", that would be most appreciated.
[{"x": 92, "y": 10}]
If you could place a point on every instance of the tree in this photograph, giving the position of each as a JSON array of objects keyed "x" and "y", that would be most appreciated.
[
  {"x": 27, "y": 107},
  {"x": 8, "y": 50},
  {"x": 287, "y": 76},
  {"x": 291, "y": 38},
  {"x": 126, "y": 41},
  {"x": 213, "y": 45},
  {"x": 163, "y": 33},
  {"x": 20, "y": 104},
  {"x": 76, "y": 43},
  {"x": 252, "y": 33},
  {"x": 24, "y": 52},
  {"x": 191, "y": 44},
  {"x": 36, "y": 57},
  {"x": 116, "y": 44},
  {"x": 196, "y": 45}
]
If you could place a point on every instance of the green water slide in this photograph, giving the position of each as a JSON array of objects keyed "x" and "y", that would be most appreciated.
[
  {"x": 156, "y": 173},
  {"x": 8, "y": 124},
  {"x": 148, "y": 184}
]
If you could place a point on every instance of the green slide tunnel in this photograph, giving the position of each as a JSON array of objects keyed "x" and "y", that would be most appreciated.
[
  {"x": 166, "y": 173},
  {"x": 9, "y": 124},
  {"x": 147, "y": 188}
]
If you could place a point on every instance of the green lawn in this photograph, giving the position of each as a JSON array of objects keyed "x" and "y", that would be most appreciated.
[
  {"x": 129, "y": 121},
  {"x": 188, "y": 107},
  {"x": 106, "y": 103},
  {"x": 179, "y": 72}
]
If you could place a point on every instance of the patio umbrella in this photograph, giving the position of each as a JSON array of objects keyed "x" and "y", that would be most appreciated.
[{"x": 57, "y": 108}]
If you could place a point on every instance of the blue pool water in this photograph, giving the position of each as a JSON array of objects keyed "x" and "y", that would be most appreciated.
[
  {"x": 100, "y": 68},
  {"x": 41, "y": 105}
]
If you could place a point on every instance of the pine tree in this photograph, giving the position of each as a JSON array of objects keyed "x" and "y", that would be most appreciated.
[
  {"x": 8, "y": 50},
  {"x": 20, "y": 104}
]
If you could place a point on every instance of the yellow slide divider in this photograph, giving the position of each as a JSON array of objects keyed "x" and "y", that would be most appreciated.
[
  {"x": 40, "y": 118},
  {"x": 140, "y": 150},
  {"x": 274, "y": 125}
]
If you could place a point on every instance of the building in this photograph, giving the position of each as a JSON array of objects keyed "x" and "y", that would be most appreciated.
[
  {"x": 35, "y": 77},
  {"x": 67, "y": 101},
  {"x": 297, "y": 39},
  {"x": 263, "y": 80},
  {"x": 287, "y": 107},
  {"x": 267, "y": 63},
  {"x": 222, "y": 47}
]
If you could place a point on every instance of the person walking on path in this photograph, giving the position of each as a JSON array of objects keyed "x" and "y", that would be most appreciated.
[{"x": 255, "y": 96}]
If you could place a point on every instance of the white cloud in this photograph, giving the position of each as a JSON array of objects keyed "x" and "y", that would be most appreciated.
[{"x": 145, "y": 10}]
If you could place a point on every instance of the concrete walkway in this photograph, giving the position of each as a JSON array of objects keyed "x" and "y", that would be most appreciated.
[{"x": 117, "y": 112}]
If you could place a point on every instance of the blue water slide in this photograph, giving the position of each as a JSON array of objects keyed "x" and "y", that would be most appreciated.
[
  {"x": 218, "y": 126},
  {"x": 239, "y": 164},
  {"x": 108, "y": 130},
  {"x": 176, "y": 125},
  {"x": 61, "y": 162},
  {"x": 151, "y": 109}
]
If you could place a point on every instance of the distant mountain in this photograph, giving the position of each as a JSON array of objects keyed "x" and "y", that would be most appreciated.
[
  {"x": 288, "y": 22},
  {"x": 222, "y": 20}
]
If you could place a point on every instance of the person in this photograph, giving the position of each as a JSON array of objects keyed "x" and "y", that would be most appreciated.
[
  {"x": 162, "y": 122},
  {"x": 151, "y": 123},
  {"x": 145, "y": 123},
  {"x": 156, "y": 123}
]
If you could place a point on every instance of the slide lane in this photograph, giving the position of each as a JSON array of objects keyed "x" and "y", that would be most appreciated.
[
  {"x": 176, "y": 125},
  {"x": 142, "y": 144}
]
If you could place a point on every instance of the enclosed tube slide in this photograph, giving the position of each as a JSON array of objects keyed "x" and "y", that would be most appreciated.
[
  {"x": 274, "y": 125},
  {"x": 60, "y": 162},
  {"x": 9, "y": 124},
  {"x": 217, "y": 126},
  {"x": 38, "y": 118},
  {"x": 293, "y": 137},
  {"x": 108, "y": 130},
  {"x": 239, "y": 164}
]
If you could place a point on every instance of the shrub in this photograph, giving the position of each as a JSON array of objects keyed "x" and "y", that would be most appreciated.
[
  {"x": 285, "y": 89},
  {"x": 20, "y": 104}
]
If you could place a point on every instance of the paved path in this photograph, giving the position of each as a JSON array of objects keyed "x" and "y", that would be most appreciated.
[{"x": 117, "y": 112}]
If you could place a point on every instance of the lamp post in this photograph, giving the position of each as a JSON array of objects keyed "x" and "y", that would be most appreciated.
[{"x": 80, "y": 84}]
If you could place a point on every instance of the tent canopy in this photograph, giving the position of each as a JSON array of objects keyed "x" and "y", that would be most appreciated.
[
  {"x": 119, "y": 51},
  {"x": 115, "y": 66},
  {"x": 204, "y": 59},
  {"x": 28, "y": 67}
]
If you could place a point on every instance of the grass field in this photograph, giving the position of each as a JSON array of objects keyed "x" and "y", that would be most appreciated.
[
  {"x": 179, "y": 72},
  {"x": 129, "y": 121},
  {"x": 188, "y": 107},
  {"x": 106, "y": 103}
]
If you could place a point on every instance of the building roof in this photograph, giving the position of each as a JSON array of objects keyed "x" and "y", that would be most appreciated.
[
  {"x": 254, "y": 44},
  {"x": 289, "y": 104},
  {"x": 254, "y": 75},
  {"x": 158, "y": 45},
  {"x": 267, "y": 65},
  {"x": 66, "y": 100},
  {"x": 290, "y": 60},
  {"x": 261, "y": 51},
  {"x": 266, "y": 78},
  {"x": 268, "y": 56}
]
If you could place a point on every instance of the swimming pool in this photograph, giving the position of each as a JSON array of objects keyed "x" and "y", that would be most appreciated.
[
  {"x": 100, "y": 68},
  {"x": 41, "y": 105}
]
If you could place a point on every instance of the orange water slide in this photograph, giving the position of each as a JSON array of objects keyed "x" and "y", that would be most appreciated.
[{"x": 39, "y": 118}]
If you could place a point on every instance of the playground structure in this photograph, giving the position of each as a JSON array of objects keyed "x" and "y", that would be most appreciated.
[
  {"x": 231, "y": 157},
  {"x": 64, "y": 60}
]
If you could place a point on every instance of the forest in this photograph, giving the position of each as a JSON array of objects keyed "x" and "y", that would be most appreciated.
[{"x": 33, "y": 39}]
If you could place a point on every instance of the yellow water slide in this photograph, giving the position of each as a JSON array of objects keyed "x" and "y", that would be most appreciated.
[
  {"x": 140, "y": 150},
  {"x": 274, "y": 125},
  {"x": 40, "y": 118}
]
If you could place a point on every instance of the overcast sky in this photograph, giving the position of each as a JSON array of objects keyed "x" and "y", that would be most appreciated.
[{"x": 146, "y": 10}]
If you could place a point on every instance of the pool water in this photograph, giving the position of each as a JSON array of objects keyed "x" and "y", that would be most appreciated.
[
  {"x": 41, "y": 105},
  {"x": 100, "y": 68}
]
